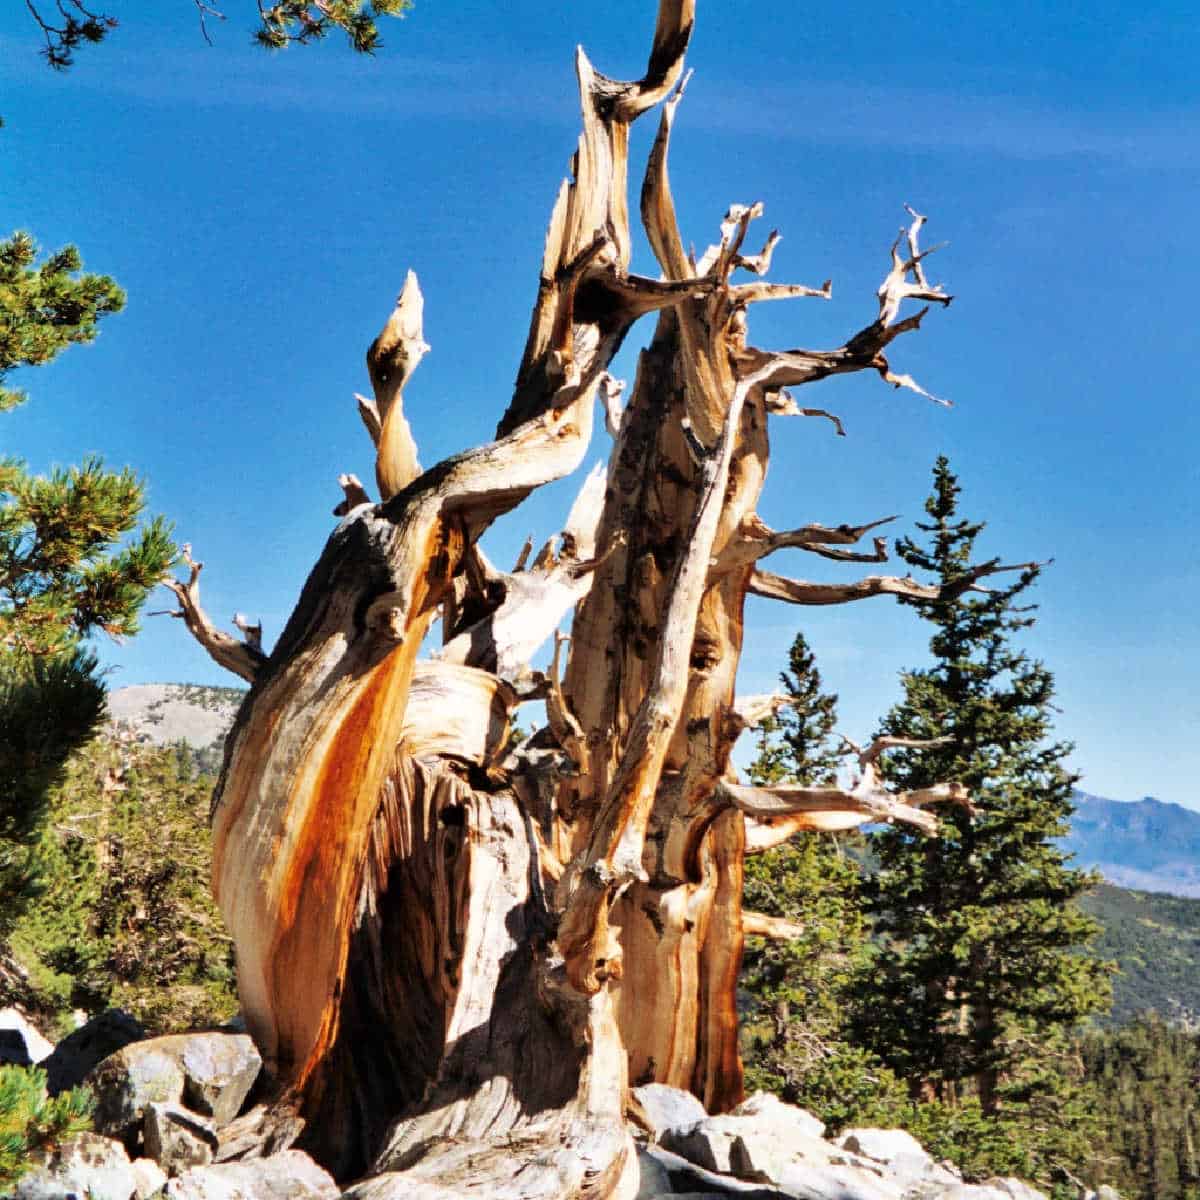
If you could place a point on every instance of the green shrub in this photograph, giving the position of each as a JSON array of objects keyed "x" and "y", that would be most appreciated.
[{"x": 31, "y": 1121}]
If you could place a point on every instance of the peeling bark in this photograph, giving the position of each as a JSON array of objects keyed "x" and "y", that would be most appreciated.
[{"x": 454, "y": 953}]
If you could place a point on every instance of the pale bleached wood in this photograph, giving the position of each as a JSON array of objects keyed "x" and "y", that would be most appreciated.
[
  {"x": 755, "y": 924},
  {"x": 392, "y": 358},
  {"x": 243, "y": 658},
  {"x": 799, "y": 591}
]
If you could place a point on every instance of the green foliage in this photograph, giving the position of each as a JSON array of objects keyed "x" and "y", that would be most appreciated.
[
  {"x": 48, "y": 706},
  {"x": 795, "y": 992},
  {"x": 979, "y": 967},
  {"x": 30, "y": 1121},
  {"x": 301, "y": 21},
  {"x": 67, "y": 25},
  {"x": 79, "y": 26},
  {"x": 63, "y": 570},
  {"x": 125, "y": 917},
  {"x": 1146, "y": 1077},
  {"x": 46, "y": 307},
  {"x": 1155, "y": 940},
  {"x": 66, "y": 566}
]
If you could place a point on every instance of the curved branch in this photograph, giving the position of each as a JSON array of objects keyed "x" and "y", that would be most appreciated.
[
  {"x": 829, "y": 808},
  {"x": 800, "y": 591},
  {"x": 392, "y": 358},
  {"x": 244, "y": 659}
]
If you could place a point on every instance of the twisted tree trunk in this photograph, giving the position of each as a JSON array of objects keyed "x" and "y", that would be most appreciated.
[{"x": 454, "y": 955}]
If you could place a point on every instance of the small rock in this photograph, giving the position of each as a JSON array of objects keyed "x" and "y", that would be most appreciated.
[
  {"x": 36, "y": 1046},
  {"x": 291, "y": 1175},
  {"x": 178, "y": 1139},
  {"x": 656, "y": 1107},
  {"x": 149, "y": 1178},
  {"x": 85, "y": 1165},
  {"x": 76, "y": 1055}
]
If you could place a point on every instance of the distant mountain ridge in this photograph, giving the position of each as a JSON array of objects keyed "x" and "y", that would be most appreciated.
[{"x": 1146, "y": 844}]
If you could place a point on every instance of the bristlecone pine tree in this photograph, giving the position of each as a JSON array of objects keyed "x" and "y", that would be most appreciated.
[
  {"x": 455, "y": 959},
  {"x": 64, "y": 573},
  {"x": 980, "y": 970}
]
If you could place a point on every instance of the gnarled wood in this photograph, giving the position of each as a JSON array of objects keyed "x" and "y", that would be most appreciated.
[{"x": 455, "y": 951}]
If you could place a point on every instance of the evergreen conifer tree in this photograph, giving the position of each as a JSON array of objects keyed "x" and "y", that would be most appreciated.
[
  {"x": 66, "y": 570},
  {"x": 794, "y": 1040},
  {"x": 979, "y": 971}
]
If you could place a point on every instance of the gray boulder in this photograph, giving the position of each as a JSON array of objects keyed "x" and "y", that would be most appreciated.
[
  {"x": 83, "y": 1167},
  {"x": 653, "y": 1178},
  {"x": 689, "y": 1179},
  {"x": 177, "y": 1139},
  {"x": 291, "y": 1175},
  {"x": 127, "y": 1082},
  {"x": 656, "y": 1107},
  {"x": 76, "y": 1055},
  {"x": 210, "y": 1073},
  {"x": 993, "y": 1189},
  {"x": 902, "y": 1156},
  {"x": 765, "y": 1130}
]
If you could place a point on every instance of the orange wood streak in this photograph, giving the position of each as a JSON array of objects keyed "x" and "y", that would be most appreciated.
[{"x": 318, "y": 894}]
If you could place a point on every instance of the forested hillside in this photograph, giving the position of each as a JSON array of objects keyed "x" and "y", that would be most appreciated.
[
  {"x": 1155, "y": 939},
  {"x": 124, "y": 916},
  {"x": 1145, "y": 1076}
]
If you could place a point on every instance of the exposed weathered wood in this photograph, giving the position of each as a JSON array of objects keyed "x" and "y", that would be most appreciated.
[
  {"x": 800, "y": 591},
  {"x": 243, "y": 658},
  {"x": 455, "y": 953},
  {"x": 755, "y": 924}
]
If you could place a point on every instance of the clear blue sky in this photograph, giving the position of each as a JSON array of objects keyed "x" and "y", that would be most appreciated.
[{"x": 261, "y": 212}]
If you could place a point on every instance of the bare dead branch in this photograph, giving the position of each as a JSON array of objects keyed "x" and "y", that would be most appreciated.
[
  {"x": 250, "y": 630},
  {"x": 756, "y": 924},
  {"x": 865, "y": 350},
  {"x": 391, "y": 359},
  {"x": 799, "y": 591},
  {"x": 831, "y": 808},
  {"x": 354, "y": 494},
  {"x": 610, "y": 397},
  {"x": 242, "y": 658},
  {"x": 368, "y": 410},
  {"x": 755, "y": 540}
]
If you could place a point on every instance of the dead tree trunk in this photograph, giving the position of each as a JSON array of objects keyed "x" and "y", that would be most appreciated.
[{"x": 455, "y": 957}]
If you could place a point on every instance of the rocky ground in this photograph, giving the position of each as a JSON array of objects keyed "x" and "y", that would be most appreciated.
[{"x": 175, "y": 1118}]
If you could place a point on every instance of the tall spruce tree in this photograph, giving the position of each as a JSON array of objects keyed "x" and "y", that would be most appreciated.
[
  {"x": 66, "y": 567},
  {"x": 797, "y": 991},
  {"x": 982, "y": 962}
]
